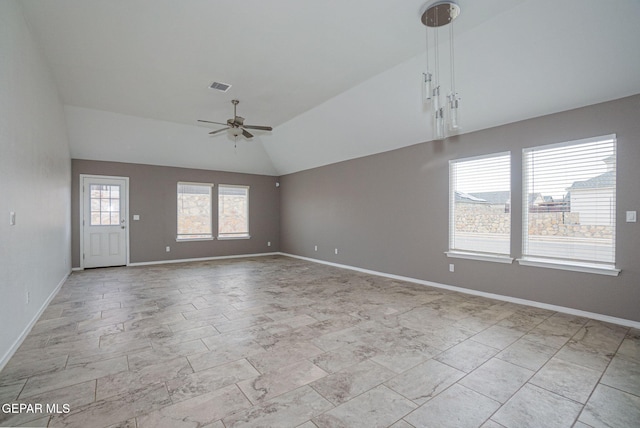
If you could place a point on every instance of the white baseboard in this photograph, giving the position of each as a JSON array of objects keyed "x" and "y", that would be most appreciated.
[
  {"x": 202, "y": 259},
  {"x": 12, "y": 350},
  {"x": 563, "y": 309}
]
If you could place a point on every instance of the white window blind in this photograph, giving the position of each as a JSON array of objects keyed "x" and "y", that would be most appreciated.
[
  {"x": 569, "y": 202},
  {"x": 233, "y": 211},
  {"x": 479, "y": 204},
  {"x": 194, "y": 211}
]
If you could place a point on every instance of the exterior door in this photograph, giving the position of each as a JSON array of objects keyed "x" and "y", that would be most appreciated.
[{"x": 104, "y": 221}]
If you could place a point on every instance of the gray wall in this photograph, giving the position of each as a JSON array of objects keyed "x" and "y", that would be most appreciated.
[
  {"x": 152, "y": 195},
  {"x": 389, "y": 212},
  {"x": 35, "y": 181}
]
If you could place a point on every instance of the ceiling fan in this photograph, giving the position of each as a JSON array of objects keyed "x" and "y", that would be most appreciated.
[{"x": 236, "y": 125}]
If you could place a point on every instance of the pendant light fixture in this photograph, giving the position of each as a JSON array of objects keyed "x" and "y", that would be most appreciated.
[{"x": 439, "y": 14}]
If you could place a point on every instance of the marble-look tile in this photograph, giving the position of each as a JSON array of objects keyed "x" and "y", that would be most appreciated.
[
  {"x": 307, "y": 424},
  {"x": 425, "y": 381},
  {"x": 277, "y": 313},
  {"x": 567, "y": 379},
  {"x": 280, "y": 356},
  {"x": 73, "y": 396},
  {"x": 623, "y": 374},
  {"x": 10, "y": 390},
  {"x": 192, "y": 385},
  {"x": 405, "y": 356},
  {"x": 279, "y": 381},
  {"x": 497, "y": 337},
  {"x": 497, "y": 379},
  {"x": 609, "y": 407},
  {"x": 343, "y": 357},
  {"x": 457, "y": 407},
  {"x": 129, "y": 423},
  {"x": 224, "y": 353},
  {"x": 22, "y": 368},
  {"x": 467, "y": 355},
  {"x": 586, "y": 356},
  {"x": 352, "y": 381},
  {"x": 378, "y": 407},
  {"x": 401, "y": 424},
  {"x": 241, "y": 324},
  {"x": 527, "y": 354},
  {"x": 533, "y": 407},
  {"x": 117, "y": 408},
  {"x": 197, "y": 411},
  {"x": 164, "y": 352},
  {"x": 39, "y": 384},
  {"x": 630, "y": 347},
  {"x": 290, "y": 409},
  {"x": 524, "y": 320},
  {"x": 40, "y": 422},
  {"x": 601, "y": 335},
  {"x": 493, "y": 424},
  {"x": 119, "y": 383},
  {"x": 337, "y": 339}
]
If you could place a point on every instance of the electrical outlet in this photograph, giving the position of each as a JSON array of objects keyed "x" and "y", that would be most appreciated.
[
  {"x": 12, "y": 218},
  {"x": 631, "y": 216},
  {"x": 315, "y": 248},
  {"x": 336, "y": 251},
  {"x": 451, "y": 267},
  {"x": 168, "y": 249},
  {"x": 269, "y": 244}
]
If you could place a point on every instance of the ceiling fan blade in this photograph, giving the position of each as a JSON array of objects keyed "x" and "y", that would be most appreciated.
[
  {"x": 246, "y": 133},
  {"x": 208, "y": 121},
  {"x": 218, "y": 131},
  {"x": 260, "y": 128}
]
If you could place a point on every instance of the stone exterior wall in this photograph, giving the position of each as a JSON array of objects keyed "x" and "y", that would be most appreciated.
[
  {"x": 194, "y": 215},
  {"x": 486, "y": 218},
  {"x": 232, "y": 214},
  {"x": 482, "y": 218}
]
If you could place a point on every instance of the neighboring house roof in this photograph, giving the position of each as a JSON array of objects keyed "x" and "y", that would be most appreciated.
[
  {"x": 495, "y": 198},
  {"x": 607, "y": 179},
  {"x": 466, "y": 197}
]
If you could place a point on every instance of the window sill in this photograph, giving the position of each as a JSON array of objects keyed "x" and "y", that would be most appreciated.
[
  {"x": 194, "y": 239},
  {"x": 570, "y": 266},
  {"x": 233, "y": 238},
  {"x": 479, "y": 256}
]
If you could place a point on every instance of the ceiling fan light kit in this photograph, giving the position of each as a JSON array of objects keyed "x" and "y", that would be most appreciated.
[
  {"x": 236, "y": 125},
  {"x": 438, "y": 14}
]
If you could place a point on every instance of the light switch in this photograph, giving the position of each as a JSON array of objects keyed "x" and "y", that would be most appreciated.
[
  {"x": 136, "y": 217},
  {"x": 631, "y": 216},
  {"x": 12, "y": 218}
]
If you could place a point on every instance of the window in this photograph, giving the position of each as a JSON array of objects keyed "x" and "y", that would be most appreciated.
[
  {"x": 105, "y": 204},
  {"x": 233, "y": 212},
  {"x": 569, "y": 204},
  {"x": 194, "y": 211},
  {"x": 479, "y": 207}
]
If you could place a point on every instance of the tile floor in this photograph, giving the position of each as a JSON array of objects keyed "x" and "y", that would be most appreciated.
[{"x": 280, "y": 342}]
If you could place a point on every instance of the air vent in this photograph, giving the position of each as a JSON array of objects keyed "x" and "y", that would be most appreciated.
[{"x": 222, "y": 87}]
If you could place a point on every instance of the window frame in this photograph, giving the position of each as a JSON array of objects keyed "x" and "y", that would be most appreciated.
[
  {"x": 241, "y": 235},
  {"x": 184, "y": 237},
  {"x": 554, "y": 262},
  {"x": 475, "y": 254}
]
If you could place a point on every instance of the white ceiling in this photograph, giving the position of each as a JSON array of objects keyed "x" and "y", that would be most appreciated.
[{"x": 337, "y": 79}]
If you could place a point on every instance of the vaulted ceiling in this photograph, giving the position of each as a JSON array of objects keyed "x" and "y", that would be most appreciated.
[{"x": 337, "y": 79}]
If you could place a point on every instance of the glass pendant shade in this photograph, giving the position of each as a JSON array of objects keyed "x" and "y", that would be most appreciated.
[
  {"x": 427, "y": 89},
  {"x": 454, "y": 114},
  {"x": 438, "y": 125}
]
